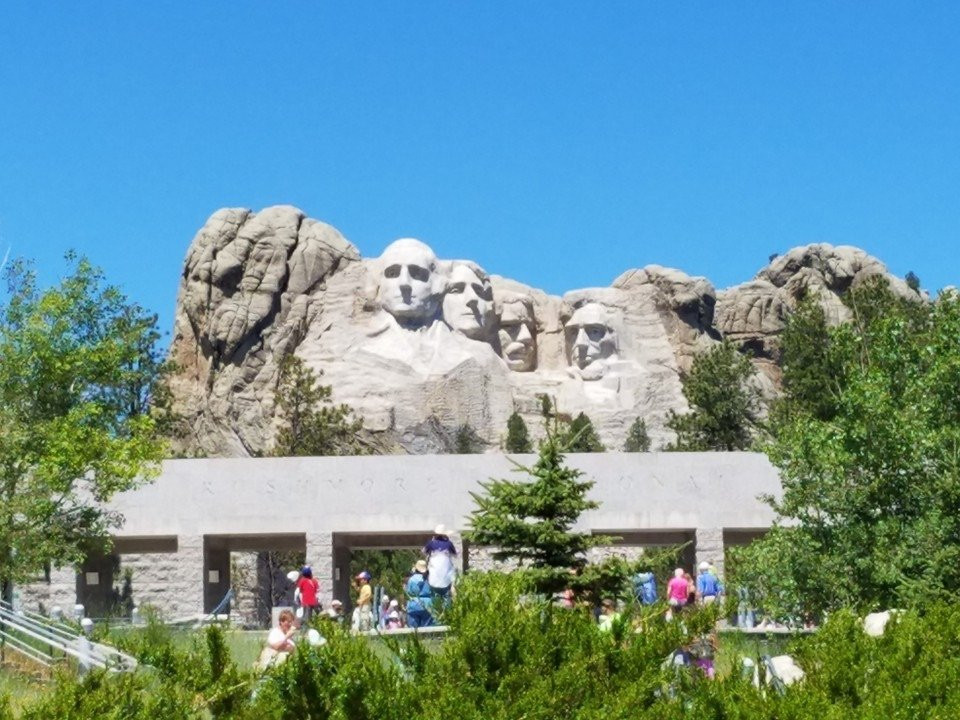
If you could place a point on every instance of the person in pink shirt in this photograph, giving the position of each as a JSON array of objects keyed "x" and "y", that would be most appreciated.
[{"x": 677, "y": 589}]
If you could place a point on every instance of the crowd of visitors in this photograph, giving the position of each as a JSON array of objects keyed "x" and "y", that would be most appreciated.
[{"x": 429, "y": 588}]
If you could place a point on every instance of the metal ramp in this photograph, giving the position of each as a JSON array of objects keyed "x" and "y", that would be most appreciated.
[{"x": 48, "y": 642}]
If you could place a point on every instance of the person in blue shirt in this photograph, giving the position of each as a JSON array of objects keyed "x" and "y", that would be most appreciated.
[
  {"x": 645, "y": 588},
  {"x": 418, "y": 597},
  {"x": 708, "y": 585}
]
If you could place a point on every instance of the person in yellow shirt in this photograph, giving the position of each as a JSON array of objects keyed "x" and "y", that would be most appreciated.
[{"x": 364, "y": 611}]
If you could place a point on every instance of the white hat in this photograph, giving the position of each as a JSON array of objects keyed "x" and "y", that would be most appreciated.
[
  {"x": 704, "y": 565},
  {"x": 336, "y": 603},
  {"x": 293, "y": 576},
  {"x": 440, "y": 529},
  {"x": 394, "y": 603}
]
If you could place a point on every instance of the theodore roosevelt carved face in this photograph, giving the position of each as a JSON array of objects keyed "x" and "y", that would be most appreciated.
[
  {"x": 518, "y": 332},
  {"x": 409, "y": 286}
]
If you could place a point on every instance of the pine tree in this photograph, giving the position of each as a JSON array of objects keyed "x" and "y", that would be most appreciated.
[
  {"x": 724, "y": 407},
  {"x": 531, "y": 521},
  {"x": 637, "y": 438},
  {"x": 466, "y": 441},
  {"x": 518, "y": 438},
  {"x": 582, "y": 437},
  {"x": 311, "y": 424}
]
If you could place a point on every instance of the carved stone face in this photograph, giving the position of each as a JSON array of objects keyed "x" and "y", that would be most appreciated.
[
  {"x": 518, "y": 339},
  {"x": 408, "y": 284},
  {"x": 468, "y": 302},
  {"x": 590, "y": 339}
]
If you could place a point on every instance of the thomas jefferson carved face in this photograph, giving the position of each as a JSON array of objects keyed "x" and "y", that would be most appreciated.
[
  {"x": 517, "y": 332},
  {"x": 468, "y": 301},
  {"x": 590, "y": 339},
  {"x": 408, "y": 284}
]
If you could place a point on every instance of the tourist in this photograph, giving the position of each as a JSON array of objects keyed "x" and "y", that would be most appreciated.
[
  {"x": 677, "y": 590},
  {"x": 335, "y": 611},
  {"x": 363, "y": 613},
  {"x": 608, "y": 615},
  {"x": 691, "y": 589},
  {"x": 645, "y": 588},
  {"x": 394, "y": 621},
  {"x": 308, "y": 588},
  {"x": 708, "y": 585},
  {"x": 702, "y": 651},
  {"x": 279, "y": 641},
  {"x": 419, "y": 597},
  {"x": 383, "y": 612},
  {"x": 441, "y": 570}
]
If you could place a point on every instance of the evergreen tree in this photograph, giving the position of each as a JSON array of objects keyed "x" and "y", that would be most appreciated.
[
  {"x": 637, "y": 438},
  {"x": 466, "y": 441},
  {"x": 518, "y": 438},
  {"x": 531, "y": 521},
  {"x": 582, "y": 437},
  {"x": 724, "y": 407},
  {"x": 913, "y": 282},
  {"x": 311, "y": 424}
]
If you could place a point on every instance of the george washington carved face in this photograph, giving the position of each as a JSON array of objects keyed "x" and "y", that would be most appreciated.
[{"x": 408, "y": 282}]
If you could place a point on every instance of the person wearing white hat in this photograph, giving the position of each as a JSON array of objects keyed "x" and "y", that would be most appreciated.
[
  {"x": 418, "y": 597},
  {"x": 441, "y": 571},
  {"x": 708, "y": 585}
]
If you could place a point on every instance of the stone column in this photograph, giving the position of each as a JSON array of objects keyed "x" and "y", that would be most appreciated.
[
  {"x": 320, "y": 558},
  {"x": 184, "y": 578},
  {"x": 460, "y": 560},
  {"x": 709, "y": 547}
]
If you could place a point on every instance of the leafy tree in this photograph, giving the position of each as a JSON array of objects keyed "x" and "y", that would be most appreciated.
[
  {"x": 870, "y": 511},
  {"x": 724, "y": 406},
  {"x": 518, "y": 437},
  {"x": 311, "y": 424},
  {"x": 78, "y": 366},
  {"x": 637, "y": 438},
  {"x": 531, "y": 521},
  {"x": 582, "y": 437},
  {"x": 466, "y": 441}
]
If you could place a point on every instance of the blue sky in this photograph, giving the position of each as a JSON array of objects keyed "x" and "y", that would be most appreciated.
[{"x": 558, "y": 143}]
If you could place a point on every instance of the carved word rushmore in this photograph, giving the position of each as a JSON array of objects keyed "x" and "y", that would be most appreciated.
[{"x": 420, "y": 346}]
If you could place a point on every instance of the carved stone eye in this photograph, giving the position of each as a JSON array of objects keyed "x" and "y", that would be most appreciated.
[
  {"x": 392, "y": 272},
  {"x": 457, "y": 288},
  {"x": 420, "y": 274}
]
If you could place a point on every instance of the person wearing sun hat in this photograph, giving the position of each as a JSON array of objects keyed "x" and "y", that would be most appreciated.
[
  {"x": 708, "y": 585},
  {"x": 364, "y": 609},
  {"x": 418, "y": 597},
  {"x": 441, "y": 570}
]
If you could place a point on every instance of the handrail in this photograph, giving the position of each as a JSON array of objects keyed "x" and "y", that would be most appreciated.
[{"x": 57, "y": 638}]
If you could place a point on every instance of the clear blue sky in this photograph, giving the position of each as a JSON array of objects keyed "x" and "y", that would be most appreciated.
[{"x": 558, "y": 143}]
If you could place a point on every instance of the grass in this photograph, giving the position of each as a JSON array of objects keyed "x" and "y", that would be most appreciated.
[{"x": 21, "y": 688}]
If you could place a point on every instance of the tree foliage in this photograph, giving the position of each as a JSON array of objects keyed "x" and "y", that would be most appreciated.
[
  {"x": 870, "y": 512},
  {"x": 637, "y": 438},
  {"x": 78, "y": 367},
  {"x": 581, "y": 436},
  {"x": 310, "y": 423},
  {"x": 466, "y": 441},
  {"x": 518, "y": 437},
  {"x": 531, "y": 521},
  {"x": 724, "y": 405}
]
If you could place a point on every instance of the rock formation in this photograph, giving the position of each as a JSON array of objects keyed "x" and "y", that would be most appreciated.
[{"x": 420, "y": 346}]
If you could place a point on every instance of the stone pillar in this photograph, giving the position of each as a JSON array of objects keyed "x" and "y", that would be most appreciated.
[
  {"x": 709, "y": 547},
  {"x": 184, "y": 580},
  {"x": 320, "y": 558},
  {"x": 460, "y": 561}
]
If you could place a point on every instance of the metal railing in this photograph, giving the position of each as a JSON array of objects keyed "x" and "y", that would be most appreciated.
[{"x": 48, "y": 642}]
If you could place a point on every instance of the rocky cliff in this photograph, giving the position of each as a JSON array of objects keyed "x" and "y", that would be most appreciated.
[{"x": 420, "y": 346}]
